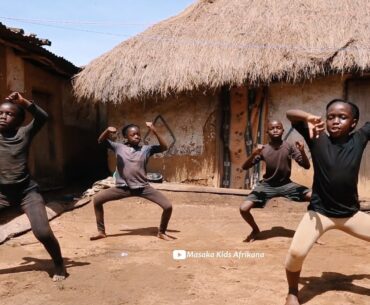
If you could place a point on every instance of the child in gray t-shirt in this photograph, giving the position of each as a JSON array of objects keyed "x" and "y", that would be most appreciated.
[{"x": 131, "y": 175}]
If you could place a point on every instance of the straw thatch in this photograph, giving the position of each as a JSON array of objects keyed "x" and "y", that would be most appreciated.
[{"x": 231, "y": 42}]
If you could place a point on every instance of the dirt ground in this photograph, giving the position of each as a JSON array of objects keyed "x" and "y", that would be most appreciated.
[{"x": 132, "y": 266}]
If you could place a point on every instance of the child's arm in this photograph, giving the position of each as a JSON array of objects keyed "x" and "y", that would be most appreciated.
[
  {"x": 305, "y": 163},
  {"x": 162, "y": 142},
  {"x": 315, "y": 124},
  {"x": 249, "y": 162},
  {"x": 39, "y": 115},
  {"x": 106, "y": 133},
  {"x": 18, "y": 99}
]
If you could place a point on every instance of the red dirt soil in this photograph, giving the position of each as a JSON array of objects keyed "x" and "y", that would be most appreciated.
[{"x": 132, "y": 266}]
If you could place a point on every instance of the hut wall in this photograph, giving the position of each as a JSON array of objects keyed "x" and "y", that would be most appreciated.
[
  {"x": 312, "y": 97},
  {"x": 188, "y": 123},
  {"x": 15, "y": 71},
  {"x": 3, "y": 78},
  {"x": 46, "y": 155},
  {"x": 84, "y": 158},
  {"x": 66, "y": 146},
  {"x": 358, "y": 91}
]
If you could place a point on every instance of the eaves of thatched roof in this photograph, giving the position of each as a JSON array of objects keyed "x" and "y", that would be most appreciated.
[{"x": 233, "y": 42}]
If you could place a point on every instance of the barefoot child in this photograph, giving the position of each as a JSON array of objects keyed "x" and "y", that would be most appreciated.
[
  {"x": 336, "y": 158},
  {"x": 278, "y": 156},
  {"x": 16, "y": 186},
  {"x": 131, "y": 175}
]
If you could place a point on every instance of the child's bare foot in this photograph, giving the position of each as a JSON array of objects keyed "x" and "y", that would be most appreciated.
[
  {"x": 99, "y": 236},
  {"x": 60, "y": 273},
  {"x": 58, "y": 277},
  {"x": 252, "y": 237},
  {"x": 292, "y": 299},
  {"x": 164, "y": 236}
]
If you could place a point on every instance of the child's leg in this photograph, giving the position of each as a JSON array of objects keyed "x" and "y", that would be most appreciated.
[
  {"x": 311, "y": 227},
  {"x": 4, "y": 201},
  {"x": 34, "y": 207},
  {"x": 307, "y": 196},
  {"x": 244, "y": 209},
  {"x": 113, "y": 193},
  {"x": 257, "y": 198},
  {"x": 158, "y": 198},
  {"x": 358, "y": 225}
]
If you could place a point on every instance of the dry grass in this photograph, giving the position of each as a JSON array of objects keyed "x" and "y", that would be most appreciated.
[{"x": 233, "y": 42}]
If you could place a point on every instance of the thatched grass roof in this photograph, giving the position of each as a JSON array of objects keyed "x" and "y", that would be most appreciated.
[{"x": 233, "y": 42}]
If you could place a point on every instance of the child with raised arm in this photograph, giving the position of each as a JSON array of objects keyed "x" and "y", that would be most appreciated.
[
  {"x": 276, "y": 182},
  {"x": 16, "y": 186},
  {"x": 336, "y": 157},
  {"x": 131, "y": 175}
]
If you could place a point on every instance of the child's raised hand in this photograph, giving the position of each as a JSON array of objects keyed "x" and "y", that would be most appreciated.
[
  {"x": 112, "y": 129},
  {"x": 149, "y": 125},
  {"x": 107, "y": 133},
  {"x": 15, "y": 98},
  {"x": 299, "y": 145},
  {"x": 315, "y": 126},
  {"x": 258, "y": 149}
]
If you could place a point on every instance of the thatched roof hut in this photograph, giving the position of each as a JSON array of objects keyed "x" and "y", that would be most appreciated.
[
  {"x": 212, "y": 76},
  {"x": 233, "y": 42}
]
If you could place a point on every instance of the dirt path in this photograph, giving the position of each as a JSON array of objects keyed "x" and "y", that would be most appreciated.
[{"x": 134, "y": 267}]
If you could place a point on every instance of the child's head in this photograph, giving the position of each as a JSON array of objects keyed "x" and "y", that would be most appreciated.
[
  {"x": 131, "y": 133},
  {"x": 11, "y": 116},
  {"x": 275, "y": 130},
  {"x": 341, "y": 117}
]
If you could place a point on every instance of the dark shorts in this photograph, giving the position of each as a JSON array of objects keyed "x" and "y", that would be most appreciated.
[
  {"x": 16, "y": 194},
  {"x": 262, "y": 192}
]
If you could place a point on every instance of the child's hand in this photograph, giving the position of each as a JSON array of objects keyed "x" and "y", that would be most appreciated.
[
  {"x": 150, "y": 125},
  {"x": 299, "y": 145},
  {"x": 112, "y": 129},
  {"x": 15, "y": 98},
  {"x": 315, "y": 126},
  {"x": 258, "y": 149},
  {"x": 107, "y": 133}
]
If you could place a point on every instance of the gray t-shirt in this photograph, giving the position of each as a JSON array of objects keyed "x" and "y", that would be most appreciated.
[
  {"x": 279, "y": 162},
  {"x": 131, "y": 163}
]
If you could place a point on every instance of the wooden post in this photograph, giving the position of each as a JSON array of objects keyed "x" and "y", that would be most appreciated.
[{"x": 238, "y": 124}]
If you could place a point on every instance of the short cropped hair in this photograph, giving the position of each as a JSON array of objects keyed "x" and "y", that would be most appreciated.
[
  {"x": 354, "y": 108},
  {"x": 127, "y": 127}
]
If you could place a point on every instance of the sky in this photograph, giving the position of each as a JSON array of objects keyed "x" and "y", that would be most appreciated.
[{"x": 81, "y": 30}]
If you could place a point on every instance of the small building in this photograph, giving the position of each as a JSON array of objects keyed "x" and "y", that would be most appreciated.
[
  {"x": 212, "y": 76},
  {"x": 65, "y": 149}
]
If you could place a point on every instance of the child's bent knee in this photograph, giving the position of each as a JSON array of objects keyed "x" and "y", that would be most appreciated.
[
  {"x": 296, "y": 254},
  {"x": 167, "y": 208},
  {"x": 294, "y": 260},
  {"x": 43, "y": 234},
  {"x": 97, "y": 202},
  {"x": 246, "y": 206}
]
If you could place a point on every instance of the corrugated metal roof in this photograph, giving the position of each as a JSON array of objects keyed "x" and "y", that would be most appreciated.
[{"x": 30, "y": 47}]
